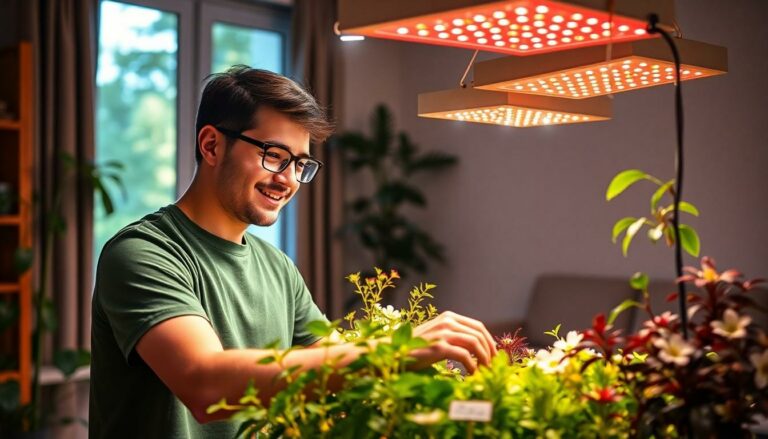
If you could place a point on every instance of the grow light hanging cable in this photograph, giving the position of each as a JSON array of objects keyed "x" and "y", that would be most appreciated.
[
  {"x": 463, "y": 84},
  {"x": 653, "y": 28}
]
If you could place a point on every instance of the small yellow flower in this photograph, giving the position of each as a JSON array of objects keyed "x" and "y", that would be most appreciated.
[
  {"x": 732, "y": 325},
  {"x": 354, "y": 278},
  {"x": 394, "y": 274}
]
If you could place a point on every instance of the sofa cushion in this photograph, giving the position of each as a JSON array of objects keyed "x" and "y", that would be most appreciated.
[{"x": 573, "y": 301}]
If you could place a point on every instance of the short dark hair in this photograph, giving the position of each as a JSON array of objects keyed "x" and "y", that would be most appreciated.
[{"x": 231, "y": 100}]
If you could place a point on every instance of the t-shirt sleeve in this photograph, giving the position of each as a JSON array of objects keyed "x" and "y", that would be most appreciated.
[
  {"x": 140, "y": 284},
  {"x": 306, "y": 310}
]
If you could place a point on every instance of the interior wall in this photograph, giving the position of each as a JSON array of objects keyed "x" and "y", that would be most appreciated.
[{"x": 523, "y": 202}]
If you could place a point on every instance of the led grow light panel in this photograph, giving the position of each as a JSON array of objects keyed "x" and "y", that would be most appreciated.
[
  {"x": 584, "y": 73},
  {"x": 518, "y": 27},
  {"x": 510, "y": 109}
]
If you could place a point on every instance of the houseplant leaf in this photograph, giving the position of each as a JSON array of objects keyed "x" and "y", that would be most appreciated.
[
  {"x": 430, "y": 161},
  {"x": 9, "y": 314},
  {"x": 69, "y": 360},
  {"x": 622, "y": 181},
  {"x": 656, "y": 197},
  {"x": 689, "y": 239},
  {"x": 620, "y": 226},
  {"x": 22, "y": 259},
  {"x": 631, "y": 232},
  {"x": 684, "y": 207},
  {"x": 382, "y": 130}
]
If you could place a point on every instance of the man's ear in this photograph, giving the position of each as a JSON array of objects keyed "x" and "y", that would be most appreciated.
[{"x": 211, "y": 144}]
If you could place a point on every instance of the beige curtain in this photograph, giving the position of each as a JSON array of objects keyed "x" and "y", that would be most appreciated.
[
  {"x": 65, "y": 45},
  {"x": 316, "y": 63}
]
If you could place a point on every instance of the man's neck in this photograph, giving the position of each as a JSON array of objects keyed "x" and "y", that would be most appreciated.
[{"x": 202, "y": 206}]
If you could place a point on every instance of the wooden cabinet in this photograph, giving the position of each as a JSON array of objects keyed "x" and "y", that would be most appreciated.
[{"x": 16, "y": 223}]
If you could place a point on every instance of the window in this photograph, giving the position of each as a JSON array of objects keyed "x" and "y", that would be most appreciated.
[
  {"x": 148, "y": 88},
  {"x": 136, "y": 115}
]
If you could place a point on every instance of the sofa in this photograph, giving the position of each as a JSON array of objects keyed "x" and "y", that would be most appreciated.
[{"x": 573, "y": 301}]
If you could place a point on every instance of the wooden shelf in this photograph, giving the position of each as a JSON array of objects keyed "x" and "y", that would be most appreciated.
[
  {"x": 10, "y": 220},
  {"x": 9, "y": 124},
  {"x": 6, "y": 287},
  {"x": 9, "y": 375},
  {"x": 16, "y": 150}
]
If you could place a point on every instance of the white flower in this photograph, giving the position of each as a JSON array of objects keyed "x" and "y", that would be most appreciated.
[
  {"x": 571, "y": 340},
  {"x": 551, "y": 361},
  {"x": 675, "y": 350},
  {"x": 389, "y": 316},
  {"x": 427, "y": 418},
  {"x": 732, "y": 325},
  {"x": 760, "y": 361}
]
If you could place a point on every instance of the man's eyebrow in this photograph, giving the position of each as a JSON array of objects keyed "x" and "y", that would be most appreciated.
[{"x": 282, "y": 145}]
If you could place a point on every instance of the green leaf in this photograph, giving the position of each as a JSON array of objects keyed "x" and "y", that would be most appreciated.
[
  {"x": 684, "y": 207},
  {"x": 638, "y": 358},
  {"x": 623, "y": 306},
  {"x": 9, "y": 314},
  {"x": 360, "y": 205},
  {"x": 116, "y": 164},
  {"x": 48, "y": 319},
  {"x": 9, "y": 396},
  {"x": 23, "y": 257},
  {"x": 402, "y": 335},
  {"x": 639, "y": 281},
  {"x": 554, "y": 332},
  {"x": 689, "y": 240},
  {"x": 631, "y": 232},
  {"x": 431, "y": 161},
  {"x": 620, "y": 226},
  {"x": 622, "y": 181},
  {"x": 660, "y": 193},
  {"x": 319, "y": 328},
  {"x": 406, "y": 150},
  {"x": 398, "y": 192},
  {"x": 382, "y": 129},
  {"x": 69, "y": 360},
  {"x": 267, "y": 360}
]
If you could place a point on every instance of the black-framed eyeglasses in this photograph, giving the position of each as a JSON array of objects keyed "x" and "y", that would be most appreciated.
[{"x": 275, "y": 158}]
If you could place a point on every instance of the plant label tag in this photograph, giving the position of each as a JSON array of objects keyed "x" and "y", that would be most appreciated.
[{"x": 480, "y": 411}]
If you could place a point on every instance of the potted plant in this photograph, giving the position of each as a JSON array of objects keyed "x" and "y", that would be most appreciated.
[{"x": 392, "y": 161}]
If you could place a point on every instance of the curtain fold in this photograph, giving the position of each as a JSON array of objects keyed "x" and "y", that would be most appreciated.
[
  {"x": 316, "y": 63},
  {"x": 64, "y": 38},
  {"x": 66, "y": 48}
]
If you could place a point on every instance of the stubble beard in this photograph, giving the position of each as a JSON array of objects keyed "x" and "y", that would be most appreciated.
[{"x": 238, "y": 203}]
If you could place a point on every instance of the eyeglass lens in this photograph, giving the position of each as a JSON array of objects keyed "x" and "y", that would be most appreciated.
[{"x": 277, "y": 159}]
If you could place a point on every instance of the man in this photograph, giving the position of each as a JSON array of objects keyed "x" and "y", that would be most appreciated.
[{"x": 185, "y": 300}]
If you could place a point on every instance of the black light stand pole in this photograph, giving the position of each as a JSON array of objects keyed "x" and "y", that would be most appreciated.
[{"x": 653, "y": 21}]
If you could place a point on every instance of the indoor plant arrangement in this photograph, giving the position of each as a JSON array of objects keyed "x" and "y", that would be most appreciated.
[{"x": 595, "y": 383}]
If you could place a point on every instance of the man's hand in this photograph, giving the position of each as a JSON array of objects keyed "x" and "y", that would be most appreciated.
[{"x": 454, "y": 337}]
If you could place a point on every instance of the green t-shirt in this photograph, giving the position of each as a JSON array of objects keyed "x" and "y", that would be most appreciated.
[{"x": 165, "y": 266}]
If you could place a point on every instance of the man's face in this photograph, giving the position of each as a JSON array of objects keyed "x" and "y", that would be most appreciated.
[{"x": 247, "y": 190}]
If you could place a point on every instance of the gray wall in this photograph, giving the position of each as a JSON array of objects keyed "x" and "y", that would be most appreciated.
[{"x": 527, "y": 201}]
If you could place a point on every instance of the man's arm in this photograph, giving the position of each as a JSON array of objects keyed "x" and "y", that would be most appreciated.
[{"x": 188, "y": 357}]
